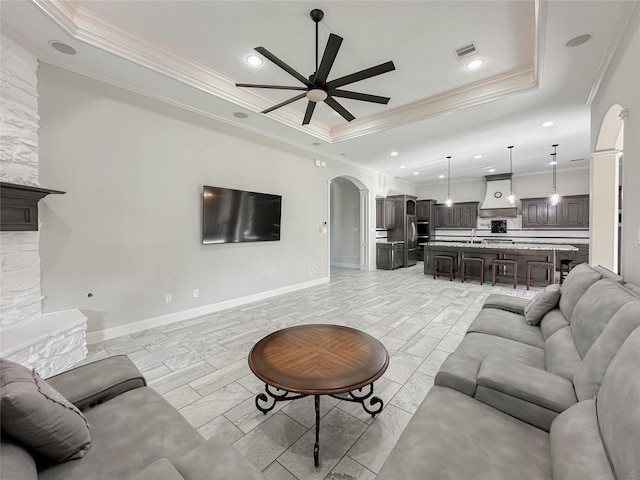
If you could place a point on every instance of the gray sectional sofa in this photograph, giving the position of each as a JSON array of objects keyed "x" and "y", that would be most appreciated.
[
  {"x": 555, "y": 398},
  {"x": 134, "y": 432}
]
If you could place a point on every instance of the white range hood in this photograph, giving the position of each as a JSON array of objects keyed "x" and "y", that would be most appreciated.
[{"x": 496, "y": 203}]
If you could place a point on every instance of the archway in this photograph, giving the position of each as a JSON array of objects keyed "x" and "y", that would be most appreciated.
[
  {"x": 605, "y": 204},
  {"x": 348, "y": 223}
]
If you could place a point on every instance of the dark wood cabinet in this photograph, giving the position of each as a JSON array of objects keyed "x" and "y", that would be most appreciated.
[
  {"x": 459, "y": 215},
  {"x": 389, "y": 256},
  {"x": 424, "y": 210},
  {"x": 571, "y": 212},
  {"x": 385, "y": 213}
]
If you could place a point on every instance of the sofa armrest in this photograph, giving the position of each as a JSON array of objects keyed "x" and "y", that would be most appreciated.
[
  {"x": 532, "y": 395},
  {"x": 99, "y": 381},
  {"x": 508, "y": 303}
]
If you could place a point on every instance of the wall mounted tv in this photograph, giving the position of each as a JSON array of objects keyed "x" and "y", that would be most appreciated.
[{"x": 234, "y": 216}]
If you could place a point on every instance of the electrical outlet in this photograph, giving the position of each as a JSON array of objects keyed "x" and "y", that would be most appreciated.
[
  {"x": 167, "y": 298},
  {"x": 196, "y": 293},
  {"x": 312, "y": 269}
]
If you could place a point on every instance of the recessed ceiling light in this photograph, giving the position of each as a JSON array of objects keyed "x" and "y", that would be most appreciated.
[
  {"x": 478, "y": 156},
  {"x": 254, "y": 60},
  {"x": 547, "y": 124},
  {"x": 440, "y": 176},
  {"x": 394, "y": 154},
  {"x": 240, "y": 115},
  {"x": 403, "y": 166},
  {"x": 577, "y": 41},
  {"x": 398, "y": 176},
  {"x": 416, "y": 173},
  {"x": 62, "y": 47},
  {"x": 491, "y": 170},
  {"x": 474, "y": 64},
  {"x": 317, "y": 144}
]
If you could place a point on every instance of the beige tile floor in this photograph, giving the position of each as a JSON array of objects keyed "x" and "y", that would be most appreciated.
[{"x": 200, "y": 367}]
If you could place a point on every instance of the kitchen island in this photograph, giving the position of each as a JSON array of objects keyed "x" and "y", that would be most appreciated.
[{"x": 520, "y": 252}]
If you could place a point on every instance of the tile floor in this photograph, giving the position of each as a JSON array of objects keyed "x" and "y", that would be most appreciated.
[{"x": 200, "y": 367}]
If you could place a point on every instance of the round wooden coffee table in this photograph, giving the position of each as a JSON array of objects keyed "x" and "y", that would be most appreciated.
[{"x": 332, "y": 360}]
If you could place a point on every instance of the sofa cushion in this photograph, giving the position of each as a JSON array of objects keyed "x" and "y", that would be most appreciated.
[
  {"x": 606, "y": 273},
  {"x": 39, "y": 417},
  {"x": 160, "y": 469},
  {"x": 560, "y": 354},
  {"x": 577, "y": 282},
  {"x": 594, "y": 309},
  {"x": 137, "y": 428},
  {"x": 577, "y": 451},
  {"x": 453, "y": 436},
  {"x": 588, "y": 378},
  {"x": 552, "y": 322},
  {"x": 510, "y": 303},
  {"x": 16, "y": 462},
  {"x": 539, "y": 305},
  {"x": 618, "y": 412},
  {"x": 506, "y": 324}
]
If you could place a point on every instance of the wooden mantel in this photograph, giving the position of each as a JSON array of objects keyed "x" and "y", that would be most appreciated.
[{"x": 19, "y": 206}]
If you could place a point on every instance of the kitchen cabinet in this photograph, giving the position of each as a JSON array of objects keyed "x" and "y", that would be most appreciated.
[
  {"x": 389, "y": 256},
  {"x": 571, "y": 212},
  {"x": 459, "y": 215},
  {"x": 424, "y": 210},
  {"x": 385, "y": 213}
]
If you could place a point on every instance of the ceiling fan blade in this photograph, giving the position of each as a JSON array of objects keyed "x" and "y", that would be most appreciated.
[
  {"x": 286, "y": 102},
  {"x": 339, "y": 108},
  {"x": 361, "y": 75},
  {"x": 263, "y": 51},
  {"x": 276, "y": 87},
  {"x": 328, "y": 57},
  {"x": 307, "y": 115},
  {"x": 365, "y": 97}
]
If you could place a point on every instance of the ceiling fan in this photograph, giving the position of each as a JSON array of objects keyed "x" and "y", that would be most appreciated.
[{"x": 316, "y": 87}]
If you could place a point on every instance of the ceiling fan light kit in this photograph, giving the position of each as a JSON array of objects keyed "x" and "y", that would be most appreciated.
[{"x": 317, "y": 88}]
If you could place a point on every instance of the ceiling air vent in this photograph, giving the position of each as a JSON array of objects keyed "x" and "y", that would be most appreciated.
[{"x": 465, "y": 51}]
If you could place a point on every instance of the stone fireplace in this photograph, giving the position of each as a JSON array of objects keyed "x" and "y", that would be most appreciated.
[{"x": 49, "y": 342}]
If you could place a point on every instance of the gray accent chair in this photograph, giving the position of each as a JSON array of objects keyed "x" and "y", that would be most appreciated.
[
  {"x": 453, "y": 436},
  {"x": 535, "y": 372},
  {"x": 135, "y": 434}
]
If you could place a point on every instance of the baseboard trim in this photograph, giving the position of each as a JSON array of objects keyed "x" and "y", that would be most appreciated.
[
  {"x": 140, "y": 325},
  {"x": 345, "y": 265}
]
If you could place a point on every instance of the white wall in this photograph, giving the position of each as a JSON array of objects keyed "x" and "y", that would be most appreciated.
[
  {"x": 128, "y": 231},
  {"x": 571, "y": 182},
  {"x": 620, "y": 86},
  {"x": 345, "y": 224},
  {"x": 20, "y": 293}
]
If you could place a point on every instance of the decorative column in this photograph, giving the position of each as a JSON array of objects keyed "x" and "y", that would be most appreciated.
[{"x": 605, "y": 183}]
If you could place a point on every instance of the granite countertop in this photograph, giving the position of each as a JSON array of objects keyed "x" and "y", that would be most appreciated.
[
  {"x": 389, "y": 242},
  {"x": 507, "y": 246}
]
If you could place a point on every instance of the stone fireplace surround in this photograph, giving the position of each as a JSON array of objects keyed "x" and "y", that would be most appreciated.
[{"x": 50, "y": 342}]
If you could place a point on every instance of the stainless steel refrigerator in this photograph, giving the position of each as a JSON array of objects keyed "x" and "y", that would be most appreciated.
[{"x": 410, "y": 241}]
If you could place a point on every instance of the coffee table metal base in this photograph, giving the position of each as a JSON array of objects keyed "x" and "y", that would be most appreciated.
[{"x": 362, "y": 396}]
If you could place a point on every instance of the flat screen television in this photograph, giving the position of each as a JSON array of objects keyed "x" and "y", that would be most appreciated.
[{"x": 235, "y": 216}]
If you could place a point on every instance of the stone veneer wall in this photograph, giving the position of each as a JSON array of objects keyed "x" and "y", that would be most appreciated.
[
  {"x": 20, "y": 297},
  {"x": 49, "y": 343}
]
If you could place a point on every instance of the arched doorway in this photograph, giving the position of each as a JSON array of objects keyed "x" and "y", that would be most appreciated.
[
  {"x": 606, "y": 193},
  {"x": 348, "y": 223}
]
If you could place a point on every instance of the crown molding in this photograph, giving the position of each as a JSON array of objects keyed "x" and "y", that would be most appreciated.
[{"x": 84, "y": 25}]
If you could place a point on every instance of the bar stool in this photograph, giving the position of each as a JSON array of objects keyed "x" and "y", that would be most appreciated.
[
  {"x": 472, "y": 260},
  {"x": 443, "y": 260},
  {"x": 551, "y": 273},
  {"x": 568, "y": 264},
  {"x": 506, "y": 276}
]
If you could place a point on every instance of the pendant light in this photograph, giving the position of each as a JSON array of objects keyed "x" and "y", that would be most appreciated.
[
  {"x": 554, "y": 199},
  {"x": 448, "y": 203},
  {"x": 511, "y": 198}
]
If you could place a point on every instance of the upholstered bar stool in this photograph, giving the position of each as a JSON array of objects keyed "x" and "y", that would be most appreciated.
[
  {"x": 551, "y": 273},
  {"x": 440, "y": 261},
  {"x": 473, "y": 261},
  {"x": 496, "y": 265}
]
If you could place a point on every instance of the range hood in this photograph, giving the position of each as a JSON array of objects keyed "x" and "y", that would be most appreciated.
[{"x": 495, "y": 202}]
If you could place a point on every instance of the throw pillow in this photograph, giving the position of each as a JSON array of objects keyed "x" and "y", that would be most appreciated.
[
  {"x": 40, "y": 417},
  {"x": 540, "y": 305}
]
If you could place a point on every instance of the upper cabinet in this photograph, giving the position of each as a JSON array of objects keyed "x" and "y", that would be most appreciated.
[
  {"x": 459, "y": 215},
  {"x": 424, "y": 210},
  {"x": 571, "y": 212},
  {"x": 385, "y": 213}
]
